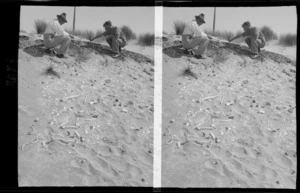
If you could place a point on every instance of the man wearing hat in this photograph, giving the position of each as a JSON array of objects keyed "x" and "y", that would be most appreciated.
[
  {"x": 193, "y": 36},
  {"x": 54, "y": 36},
  {"x": 114, "y": 37},
  {"x": 255, "y": 39}
]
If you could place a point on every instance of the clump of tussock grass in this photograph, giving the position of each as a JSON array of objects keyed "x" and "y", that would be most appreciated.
[
  {"x": 179, "y": 27},
  {"x": 40, "y": 26},
  {"x": 239, "y": 40},
  {"x": 88, "y": 34},
  {"x": 147, "y": 39},
  {"x": 268, "y": 33},
  {"x": 226, "y": 35},
  {"x": 288, "y": 39},
  {"x": 101, "y": 39},
  {"x": 188, "y": 72},
  {"x": 51, "y": 72},
  {"x": 129, "y": 34}
]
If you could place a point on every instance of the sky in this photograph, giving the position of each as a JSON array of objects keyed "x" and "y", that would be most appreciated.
[
  {"x": 139, "y": 19},
  {"x": 281, "y": 19}
]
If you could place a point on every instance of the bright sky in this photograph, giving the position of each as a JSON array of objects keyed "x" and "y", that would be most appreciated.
[
  {"x": 280, "y": 19},
  {"x": 139, "y": 19}
]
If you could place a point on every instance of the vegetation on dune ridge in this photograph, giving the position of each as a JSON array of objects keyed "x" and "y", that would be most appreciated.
[
  {"x": 40, "y": 26},
  {"x": 288, "y": 39},
  {"x": 147, "y": 39},
  {"x": 179, "y": 27},
  {"x": 226, "y": 35},
  {"x": 129, "y": 34},
  {"x": 86, "y": 34},
  {"x": 268, "y": 33}
]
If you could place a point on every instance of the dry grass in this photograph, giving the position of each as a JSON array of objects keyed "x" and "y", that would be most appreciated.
[
  {"x": 86, "y": 34},
  {"x": 288, "y": 39},
  {"x": 179, "y": 27},
  {"x": 268, "y": 33},
  {"x": 50, "y": 71},
  {"x": 226, "y": 35},
  {"x": 188, "y": 72},
  {"x": 146, "y": 39},
  {"x": 40, "y": 26},
  {"x": 129, "y": 34}
]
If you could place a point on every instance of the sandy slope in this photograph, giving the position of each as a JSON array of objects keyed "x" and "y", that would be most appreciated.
[
  {"x": 289, "y": 51},
  {"x": 105, "y": 107},
  {"x": 232, "y": 124},
  {"x": 145, "y": 50}
]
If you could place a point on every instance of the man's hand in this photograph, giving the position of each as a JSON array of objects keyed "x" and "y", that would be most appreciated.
[
  {"x": 92, "y": 39},
  {"x": 209, "y": 37},
  {"x": 71, "y": 36},
  {"x": 230, "y": 40}
]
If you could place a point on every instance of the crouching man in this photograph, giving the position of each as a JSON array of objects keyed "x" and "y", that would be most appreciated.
[
  {"x": 255, "y": 39},
  {"x": 55, "y": 36},
  {"x": 193, "y": 36},
  {"x": 114, "y": 37}
]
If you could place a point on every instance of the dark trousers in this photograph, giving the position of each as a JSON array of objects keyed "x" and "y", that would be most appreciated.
[
  {"x": 116, "y": 44},
  {"x": 254, "y": 44}
]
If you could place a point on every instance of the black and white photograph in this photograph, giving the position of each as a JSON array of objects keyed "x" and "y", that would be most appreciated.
[
  {"x": 85, "y": 96},
  {"x": 170, "y": 95},
  {"x": 229, "y": 97}
]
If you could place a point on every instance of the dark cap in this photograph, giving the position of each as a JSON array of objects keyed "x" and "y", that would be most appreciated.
[
  {"x": 107, "y": 23},
  {"x": 246, "y": 23},
  {"x": 62, "y": 16}
]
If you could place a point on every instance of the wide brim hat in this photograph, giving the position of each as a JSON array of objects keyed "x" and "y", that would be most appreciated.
[
  {"x": 201, "y": 16},
  {"x": 107, "y": 23},
  {"x": 62, "y": 16}
]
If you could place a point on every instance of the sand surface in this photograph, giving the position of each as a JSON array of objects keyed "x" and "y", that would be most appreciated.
[
  {"x": 289, "y": 51},
  {"x": 145, "y": 50},
  {"x": 91, "y": 124},
  {"x": 231, "y": 122}
]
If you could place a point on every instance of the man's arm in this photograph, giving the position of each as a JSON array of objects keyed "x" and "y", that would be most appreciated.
[
  {"x": 196, "y": 30},
  {"x": 58, "y": 29},
  {"x": 237, "y": 36},
  {"x": 209, "y": 37},
  {"x": 98, "y": 36}
]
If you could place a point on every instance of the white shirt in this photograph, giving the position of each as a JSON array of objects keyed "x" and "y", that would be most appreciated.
[
  {"x": 193, "y": 29},
  {"x": 55, "y": 28}
]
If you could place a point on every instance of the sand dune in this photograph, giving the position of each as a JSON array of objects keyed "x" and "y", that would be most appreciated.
[
  {"x": 230, "y": 121},
  {"x": 88, "y": 124}
]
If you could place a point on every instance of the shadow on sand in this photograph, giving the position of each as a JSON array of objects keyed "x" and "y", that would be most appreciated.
[{"x": 80, "y": 49}]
